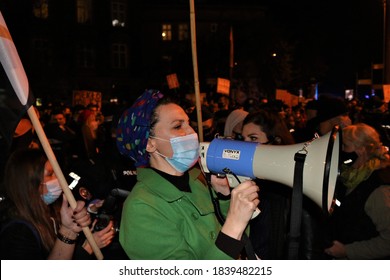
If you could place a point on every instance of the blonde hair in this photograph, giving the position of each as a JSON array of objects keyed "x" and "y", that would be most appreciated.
[{"x": 364, "y": 136}]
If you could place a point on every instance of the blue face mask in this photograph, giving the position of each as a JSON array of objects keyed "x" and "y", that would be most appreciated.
[
  {"x": 54, "y": 191},
  {"x": 185, "y": 151}
]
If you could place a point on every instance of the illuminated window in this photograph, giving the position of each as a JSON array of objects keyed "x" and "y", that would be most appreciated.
[
  {"x": 41, "y": 9},
  {"x": 86, "y": 56},
  {"x": 118, "y": 13},
  {"x": 166, "y": 32},
  {"x": 183, "y": 31},
  {"x": 84, "y": 11},
  {"x": 119, "y": 56}
]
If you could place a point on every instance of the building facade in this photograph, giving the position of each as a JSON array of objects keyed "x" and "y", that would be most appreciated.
[{"x": 120, "y": 47}]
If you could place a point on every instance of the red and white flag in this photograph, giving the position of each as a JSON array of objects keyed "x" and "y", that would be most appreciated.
[
  {"x": 14, "y": 70},
  {"x": 15, "y": 95}
]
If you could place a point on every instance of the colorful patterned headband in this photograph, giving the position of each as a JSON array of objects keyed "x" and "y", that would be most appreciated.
[{"x": 134, "y": 127}]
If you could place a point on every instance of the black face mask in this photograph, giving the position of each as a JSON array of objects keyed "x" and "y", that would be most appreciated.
[
  {"x": 273, "y": 140},
  {"x": 238, "y": 136},
  {"x": 348, "y": 158}
]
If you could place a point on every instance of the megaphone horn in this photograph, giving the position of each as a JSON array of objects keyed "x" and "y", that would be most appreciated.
[{"x": 276, "y": 163}]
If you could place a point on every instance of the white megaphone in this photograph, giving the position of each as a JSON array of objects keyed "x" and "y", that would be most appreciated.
[{"x": 276, "y": 163}]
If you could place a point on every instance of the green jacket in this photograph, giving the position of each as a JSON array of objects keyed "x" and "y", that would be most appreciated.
[{"x": 161, "y": 222}]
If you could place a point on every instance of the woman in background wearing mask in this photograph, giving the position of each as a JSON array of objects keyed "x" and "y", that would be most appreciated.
[
  {"x": 268, "y": 230},
  {"x": 360, "y": 227},
  {"x": 35, "y": 224},
  {"x": 169, "y": 214}
]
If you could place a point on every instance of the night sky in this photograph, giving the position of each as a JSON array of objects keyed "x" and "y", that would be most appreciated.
[
  {"x": 347, "y": 35},
  {"x": 343, "y": 36}
]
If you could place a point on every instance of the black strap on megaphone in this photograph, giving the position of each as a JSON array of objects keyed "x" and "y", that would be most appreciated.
[
  {"x": 249, "y": 252},
  {"x": 296, "y": 207}
]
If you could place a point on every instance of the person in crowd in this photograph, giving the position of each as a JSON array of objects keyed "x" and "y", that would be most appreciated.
[
  {"x": 94, "y": 184},
  {"x": 240, "y": 98},
  {"x": 68, "y": 114},
  {"x": 25, "y": 135},
  {"x": 96, "y": 187},
  {"x": 71, "y": 114},
  {"x": 331, "y": 111},
  {"x": 89, "y": 128},
  {"x": 169, "y": 214},
  {"x": 266, "y": 127},
  {"x": 222, "y": 112},
  {"x": 251, "y": 105},
  {"x": 233, "y": 124},
  {"x": 376, "y": 114},
  {"x": 208, "y": 123},
  {"x": 307, "y": 130},
  {"x": 62, "y": 138},
  {"x": 311, "y": 108},
  {"x": 270, "y": 229},
  {"x": 359, "y": 228},
  {"x": 77, "y": 112},
  {"x": 35, "y": 223},
  {"x": 355, "y": 108},
  {"x": 298, "y": 117}
]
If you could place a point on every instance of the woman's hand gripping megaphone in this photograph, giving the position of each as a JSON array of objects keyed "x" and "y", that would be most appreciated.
[
  {"x": 234, "y": 181},
  {"x": 228, "y": 183}
]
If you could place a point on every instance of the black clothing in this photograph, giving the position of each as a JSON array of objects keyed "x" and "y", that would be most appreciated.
[
  {"x": 180, "y": 182},
  {"x": 19, "y": 240},
  {"x": 269, "y": 229},
  {"x": 62, "y": 140},
  {"x": 15, "y": 233},
  {"x": 220, "y": 117}
]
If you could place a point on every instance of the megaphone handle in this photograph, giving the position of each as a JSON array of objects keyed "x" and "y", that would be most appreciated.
[{"x": 234, "y": 181}]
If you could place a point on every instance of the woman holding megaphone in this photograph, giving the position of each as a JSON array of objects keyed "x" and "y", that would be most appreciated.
[{"x": 169, "y": 214}]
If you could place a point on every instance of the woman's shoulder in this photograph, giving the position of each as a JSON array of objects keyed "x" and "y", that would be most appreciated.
[
  {"x": 17, "y": 227},
  {"x": 20, "y": 240}
]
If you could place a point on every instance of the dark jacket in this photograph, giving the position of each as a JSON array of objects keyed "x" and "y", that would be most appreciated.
[{"x": 351, "y": 223}]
